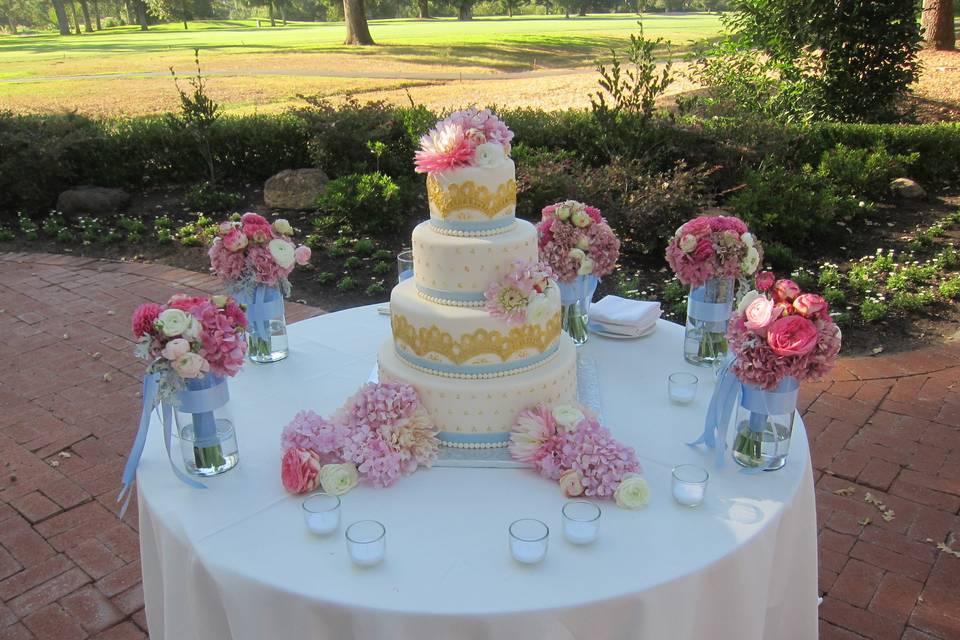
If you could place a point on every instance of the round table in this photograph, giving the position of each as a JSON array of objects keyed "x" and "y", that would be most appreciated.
[{"x": 236, "y": 561}]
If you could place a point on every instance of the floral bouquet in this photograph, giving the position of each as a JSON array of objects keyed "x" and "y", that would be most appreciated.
[
  {"x": 190, "y": 344},
  {"x": 580, "y": 247},
  {"x": 468, "y": 138},
  {"x": 708, "y": 254},
  {"x": 525, "y": 294},
  {"x": 254, "y": 259},
  {"x": 381, "y": 433},
  {"x": 779, "y": 337},
  {"x": 565, "y": 444}
]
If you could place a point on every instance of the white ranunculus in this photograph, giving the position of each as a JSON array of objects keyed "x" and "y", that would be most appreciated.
[
  {"x": 586, "y": 267},
  {"x": 633, "y": 492},
  {"x": 489, "y": 154},
  {"x": 748, "y": 297},
  {"x": 583, "y": 243},
  {"x": 747, "y": 239},
  {"x": 283, "y": 227},
  {"x": 192, "y": 332},
  {"x": 750, "y": 261},
  {"x": 688, "y": 243},
  {"x": 337, "y": 479},
  {"x": 567, "y": 416},
  {"x": 563, "y": 212},
  {"x": 283, "y": 252},
  {"x": 540, "y": 309},
  {"x": 577, "y": 254},
  {"x": 173, "y": 322},
  {"x": 579, "y": 218}
]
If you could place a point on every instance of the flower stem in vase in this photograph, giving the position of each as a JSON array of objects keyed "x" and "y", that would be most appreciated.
[
  {"x": 207, "y": 452},
  {"x": 573, "y": 321},
  {"x": 748, "y": 445}
]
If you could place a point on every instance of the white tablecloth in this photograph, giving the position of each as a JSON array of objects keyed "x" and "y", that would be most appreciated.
[{"x": 235, "y": 560}]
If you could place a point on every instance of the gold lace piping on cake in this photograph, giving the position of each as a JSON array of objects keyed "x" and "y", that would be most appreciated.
[
  {"x": 425, "y": 341},
  {"x": 469, "y": 195}
]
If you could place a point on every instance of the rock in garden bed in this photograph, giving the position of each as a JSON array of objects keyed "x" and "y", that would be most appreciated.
[
  {"x": 294, "y": 189},
  {"x": 92, "y": 201}
]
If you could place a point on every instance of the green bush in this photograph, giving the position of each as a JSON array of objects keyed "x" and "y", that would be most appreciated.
[
  {"x": 208, "y": 198},
  {"x": 369, "y": 202},
  {"x": 863, "y": 172}
]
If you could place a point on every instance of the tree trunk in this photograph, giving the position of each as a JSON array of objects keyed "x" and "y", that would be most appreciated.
[
  {"x": 273, "y": 21},
  {"x": 96, "y": 14},
  {"x": 283, "y": 15},
  {"x": 11, "y": 24},
  {"x": 582, "y": 12},
  {"x": 509, "y": 10},
  {"x": 465, "y": 12},
  {"x": 76, "y": 21},
  {"x": 141, "y": 7},
  {"x": 131, "y": 13},
  {"x": 355, "y": 16},
  {"x": 937, "y": 24},
  {"x": 85, "y": 10},
  {"x": 424, "y": 7}
]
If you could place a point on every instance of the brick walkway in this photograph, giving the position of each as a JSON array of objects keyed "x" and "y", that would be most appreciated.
[{"x": 888, "y": 426}]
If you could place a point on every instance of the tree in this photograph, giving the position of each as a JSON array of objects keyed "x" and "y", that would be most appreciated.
[
  {"x": 171, "y": 10},
  {"x": 423, "y": 9},
  {"x": 355, "y": 16},
  {"x": 511, "y": 5},
  {"x": 140, "y": 8},
  {"x": 61, "y": 12},
  {"x": 85, "y": 10},
  {"x": 937, "y": 24}
]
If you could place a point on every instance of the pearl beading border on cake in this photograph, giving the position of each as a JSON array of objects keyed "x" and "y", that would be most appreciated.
[
  {"x": 472, "y": 234},
  {"x": 476, "y": 376},
  {"x": 474, "y": 445},
  {"x": 450, "y": 303}
]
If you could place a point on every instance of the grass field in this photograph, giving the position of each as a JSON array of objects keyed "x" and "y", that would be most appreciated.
[{"x": 450, "y": 62}]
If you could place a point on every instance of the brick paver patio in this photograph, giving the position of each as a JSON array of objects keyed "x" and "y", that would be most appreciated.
[{"x": 887, "y": 426}]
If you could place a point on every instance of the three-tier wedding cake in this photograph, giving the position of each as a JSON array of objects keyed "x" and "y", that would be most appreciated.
[{"x": 473, "y": 367}]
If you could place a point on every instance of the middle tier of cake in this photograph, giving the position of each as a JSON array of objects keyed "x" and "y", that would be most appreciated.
[{"x": 466, "y": 342}]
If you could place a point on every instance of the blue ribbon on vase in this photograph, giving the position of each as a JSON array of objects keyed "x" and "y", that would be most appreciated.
[
  {"x": 264, "y": 303},
  {"x": 760, "y": 403},
  {"x": 702, "y": 311},
  {"x": 202, "y": 396},
  {"x": 580, "y": 289}
]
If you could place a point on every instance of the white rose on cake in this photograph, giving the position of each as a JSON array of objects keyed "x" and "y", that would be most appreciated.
[
  {"x": 489, "y": 154},
  {"x": 541, "y": 307}
]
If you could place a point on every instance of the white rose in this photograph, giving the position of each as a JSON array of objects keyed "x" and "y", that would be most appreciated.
[
  {"x": 337, "y": 479},
  {"x": 750, "y": 261},
  {"x": 173, "y": 322},
  {"x": 747, "y": 239},
  {"x": 633, "y": 492},
  {"x": 283, "y": 252},
  {"x": 688, "y": 242},
  {"x": 748, "y": 297},
  {"x": 586, "y": 267},
  {"x": 580, "y": 219},
  {"x": 489, "y": 154},
  {"x": 192, "y": 332},
  {"x": 571, "y": 483},
  {"x": 567, "y": 416},
  {"x": 583, "y": 243},
  {"x": 540, "y": 308},
  {"x": 282, "y": 226}
]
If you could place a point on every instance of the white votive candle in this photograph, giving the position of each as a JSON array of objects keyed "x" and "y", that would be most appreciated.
[
  {"x": 689, "y": 484},
  {"x": 321, "y": 513},
  {"x": 581, "y": 521},
  {"x": 366, "y": 543},
  {"x": 682, "y": 387},
  {"x": 528, "y": 540}
]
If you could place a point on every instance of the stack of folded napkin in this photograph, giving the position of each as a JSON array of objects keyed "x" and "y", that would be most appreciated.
[{"x": 627, "y": 318}]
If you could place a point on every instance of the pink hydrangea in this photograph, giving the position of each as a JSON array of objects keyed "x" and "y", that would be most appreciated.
[
  {"x": 308, "y": 430},
  {"x": 713, "y": 246},
  {"x": 225, "y": 264},
  {"x": 558, "y": 237},
  {"x": 601, "y": 461},
  {"x": 223, "y": 346},
  {"x": 265, "y": 268}
]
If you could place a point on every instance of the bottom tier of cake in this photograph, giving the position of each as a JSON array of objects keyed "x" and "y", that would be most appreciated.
[{"x": 481, "y": 413}]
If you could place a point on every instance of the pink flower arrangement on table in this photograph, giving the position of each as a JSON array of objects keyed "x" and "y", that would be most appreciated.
[
  {"x": 525, "y": 294},
  {"x": 566, "y": 444},
  {"x": 249, "y": 251},
  {"x": 713, "y": 246},
  {"x": 189, "y": 337},
  {"x": 575, "y": 240},
  {"x": 381, "y": 433},
  {"x": 778, "y": 332},
  {"x": 468, "y": 138}
]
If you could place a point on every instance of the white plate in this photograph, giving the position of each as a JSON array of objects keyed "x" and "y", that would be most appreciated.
[{"x": 595, "y": 328}]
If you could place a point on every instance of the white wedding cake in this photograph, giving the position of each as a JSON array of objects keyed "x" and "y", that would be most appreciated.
[{"x": 474, "y": 371}]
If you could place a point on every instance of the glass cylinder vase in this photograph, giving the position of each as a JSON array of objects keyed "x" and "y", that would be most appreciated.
[
  {"x": 765, "y": 424},
  {"x": 575, "y": 298},
  {"x": 708, "y": 311},
  {"x": 208, "y": 440},
  {"x": 267, "y": 330}
]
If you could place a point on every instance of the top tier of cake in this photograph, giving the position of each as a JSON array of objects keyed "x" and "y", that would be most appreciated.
[{"x": 473, "y": 201}]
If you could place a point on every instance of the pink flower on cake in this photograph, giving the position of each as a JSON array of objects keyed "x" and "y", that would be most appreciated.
[
  {"x": 792, "y": 336},
  {"x": 300, "y": 471},
  {"x": 444, "y": 148},
  {"x": 523, "y": 294}
]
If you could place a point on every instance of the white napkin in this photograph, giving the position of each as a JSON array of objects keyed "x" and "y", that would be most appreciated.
[{"x": 614, "y": 314}]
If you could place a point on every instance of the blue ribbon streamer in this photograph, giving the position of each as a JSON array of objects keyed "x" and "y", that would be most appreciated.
[{"x": 722, "y": 403}]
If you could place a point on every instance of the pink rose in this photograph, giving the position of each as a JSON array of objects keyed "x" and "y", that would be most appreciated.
[
  {"x": 175, "y": 349},
  {"x": 143, "y": 318},
  {"x": 765, "y": 280},
  {"x": 810, "y": 305},
  {"x": 190, "y": 365},
  {"x": 253, "y": 218},
  {"x": 302, "y": 254},
  {"x": 792, "y": 336},
  {"x": 571, "y": 483},
  {"x": 759, "y": 314},
  {"x": 698, "y": 226},
  {"x": 703, "y": 251},
  {"x": 234, "y": 240},
  {"x": 785, "y": 290},
  {"x": 300, "y": 470}
]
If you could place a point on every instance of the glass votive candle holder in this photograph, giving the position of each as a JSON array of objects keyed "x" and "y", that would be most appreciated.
[
  {"x": 689, "y": 484},
  {"x": 528, "y": 540},
  {"x": 581, "y": 521},
  {"x": 404, "y": 265},
  {"x": 321, "y": 513},
  {"x": 366, "y": 542},
  {"x": 682, "y": 387}
]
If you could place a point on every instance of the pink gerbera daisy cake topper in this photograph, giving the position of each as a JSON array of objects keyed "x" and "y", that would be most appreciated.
[{"x": 467, "y": 138}]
